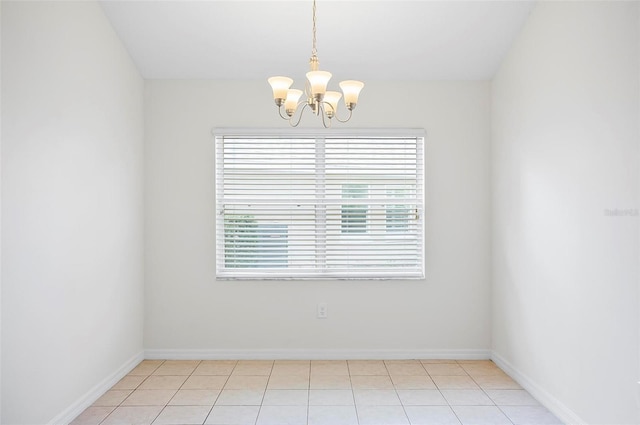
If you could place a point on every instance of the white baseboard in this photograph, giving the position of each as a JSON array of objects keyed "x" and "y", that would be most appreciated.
[
  {"x": 309, "y": 354},
  {"x": 554, "y": 405},
  {"x": 70, "y": 413}
]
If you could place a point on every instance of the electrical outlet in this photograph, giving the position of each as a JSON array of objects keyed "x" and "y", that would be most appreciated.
[{"x": 322, "y": 310}]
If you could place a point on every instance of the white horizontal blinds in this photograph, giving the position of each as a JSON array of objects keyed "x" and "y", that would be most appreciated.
[
  {"x": 374, "y": 193},
  {"x": 267, "y": 200},
  {"x": 315, "y": 207}
]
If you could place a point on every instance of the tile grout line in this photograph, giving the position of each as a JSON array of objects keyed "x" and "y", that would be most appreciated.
[
  {"x": 309, "y": 394},
  {"x": 132, "y": 391},
  {"x": 353, "y": 393},
  {"x": 161, "y": 410},
  {"x": 168, "y": 403},
  {"x": 406, "y": 415},
  {"x": 264, "y": 393},
  {"x": 219, "y": 392},
  {"x": 449, "y": 403},
  {"x": 485, "y": 393}
]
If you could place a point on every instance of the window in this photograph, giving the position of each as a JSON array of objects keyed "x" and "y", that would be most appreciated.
[
  {"x": 330, "y": 204},
  {"x": 398, "y": 215},
  {"x": 354, "y": 217}
]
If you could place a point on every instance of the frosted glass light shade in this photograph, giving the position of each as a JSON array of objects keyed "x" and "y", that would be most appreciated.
[
  {"x": 332, "y": 98},
  {"x": 280, "y": 85},
  {"x": 351, "y": 90},
  {"x": 318, "y": 81},
  {"x": 291, "y": 102}
]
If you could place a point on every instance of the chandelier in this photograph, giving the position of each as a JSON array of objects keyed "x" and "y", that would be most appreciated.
[{"x": 321, "y": 102}]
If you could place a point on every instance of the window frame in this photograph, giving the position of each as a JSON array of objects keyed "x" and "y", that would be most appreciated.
[{"x": 231, "y": 273}]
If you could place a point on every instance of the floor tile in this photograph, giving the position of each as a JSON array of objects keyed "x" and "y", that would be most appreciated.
[
  {"x": 402, "y": 363},
  {"x": 129, "y": 382},
  {"x": 371, "y": 382},
  {"x": 481, "y": 415},
  {"x": 421, "y": 398},
  {"x": 329, "y": 367},
  {"x": 376, "y": 398},
  {"x": 146, "y": 367},
  {"x": 177, "y": 367},
  {"x": 330, "y": 382},
  {"x": 149, "y": 398},
  {"x": 382, "y": 415},
  {"x": 253, "y": 367},
  {"x": 486, "y": 362},
  {"x": 195, "y": 398},
  {"x": 367, "y": 367},
  {"x": 291, "y": 362},
  {"x": 497, "y": 382},
  {"x": 255, "y": 363},
  {"x": 402, "y": 367},
  {"x": 422, "y": 382},
  {"x": 161, "y": 382},
  {"x": 286, "y": 398},
  {"x": 480, "y": 368},
  {"x": 240, "y": 397},
  {"x": 431, "y": 415},
  {"x": 332, "y": 415},
  {"x": 512, "y": 398},
  {"x": 92, "y": 415},
  {"x": 112, "y": 398},
  {"x": 467, "y": 398},
  {"x": 331, "y": 398},
  {"x": 530, "y": 415},
  {"x": 246, "y": 382},
  {"x": 445, "y": 369},
  {"x": 455, "y": 383},
  {"x": 183, "y": 415},
  {"x": 288, "y": 382},
  {"x": 291, "y": 367},
  {"x": 215, "y": 367},
  {"x": 282, "y": 415},
  {"x": 233, "y": 415},
  {"x": 205, "y": 382},
  {"x": 128, "y": 415}
]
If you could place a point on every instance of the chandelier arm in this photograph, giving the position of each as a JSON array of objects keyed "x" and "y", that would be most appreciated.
[
  {"x": 345, "y": 120},
  {"x": 299, "y": 114},
  {"x": 335, "y": 113},
  {"x": 330, "y": 106},
  {"x": 322, "y": 112},
  {"x": 284, "y": 117}
]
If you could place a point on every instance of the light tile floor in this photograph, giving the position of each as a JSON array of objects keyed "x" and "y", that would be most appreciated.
[{"x": 345, "y": 392}]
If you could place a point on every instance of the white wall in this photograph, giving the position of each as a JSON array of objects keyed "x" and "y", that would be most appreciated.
[
  {"x": 565, "y": 149},
  {"x": 187, "y": 309},
  {"x": 72, "y": 207},
  {"x": 0, "y": 217}
]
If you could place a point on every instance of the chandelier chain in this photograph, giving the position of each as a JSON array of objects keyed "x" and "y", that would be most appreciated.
[{"x": 314, "y": 50}]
